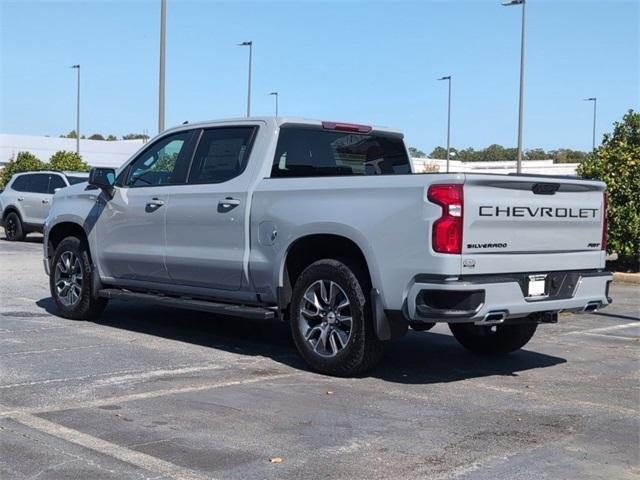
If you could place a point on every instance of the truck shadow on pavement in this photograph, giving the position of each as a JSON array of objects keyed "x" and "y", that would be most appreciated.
[{"x": 417, "y": 358}]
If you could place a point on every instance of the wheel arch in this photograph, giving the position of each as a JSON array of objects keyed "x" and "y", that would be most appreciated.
[
  {"x": 309, "y": 248},
  {"x": 11, "y": 209},
  {"x": 62, "y": 230}
]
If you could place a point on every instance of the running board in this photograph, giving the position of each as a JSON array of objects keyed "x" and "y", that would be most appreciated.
[{"x": 245, "y": 311}]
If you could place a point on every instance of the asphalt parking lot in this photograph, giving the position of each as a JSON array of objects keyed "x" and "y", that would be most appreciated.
[{"x": 158, "y": 393}]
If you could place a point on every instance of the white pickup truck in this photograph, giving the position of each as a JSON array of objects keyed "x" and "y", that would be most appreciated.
[{"x": 326, "y": 226}]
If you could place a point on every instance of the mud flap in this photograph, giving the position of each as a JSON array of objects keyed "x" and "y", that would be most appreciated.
[{"x": 388, "y": 324}]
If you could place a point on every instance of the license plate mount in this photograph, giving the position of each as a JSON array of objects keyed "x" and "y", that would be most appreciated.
[{"x": 537, "y": 286}]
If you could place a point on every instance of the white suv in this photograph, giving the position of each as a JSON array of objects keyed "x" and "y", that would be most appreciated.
[{"x": 26, "y": 200}]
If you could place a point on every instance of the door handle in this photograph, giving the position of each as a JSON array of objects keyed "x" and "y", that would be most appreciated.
[
  {"x": 45, "y": 200},
  {"x": 228, "y": 203},
  {"x": 155, "y": 203},
  {"x": 20, "y": 199}
]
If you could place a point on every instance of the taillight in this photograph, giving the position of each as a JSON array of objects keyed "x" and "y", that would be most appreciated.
[
  {"x": 605, "y": 220},
  {"x": 447, "y": 230}
]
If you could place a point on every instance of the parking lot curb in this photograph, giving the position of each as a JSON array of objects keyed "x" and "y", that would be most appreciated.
[{"x": 626, "y": 277}]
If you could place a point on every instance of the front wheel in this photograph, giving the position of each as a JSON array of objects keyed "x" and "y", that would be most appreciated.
[
  {"x": 70, "y": 281},
  {"x": 493, "y": 339},
  {"x": 331, "y": 319}
]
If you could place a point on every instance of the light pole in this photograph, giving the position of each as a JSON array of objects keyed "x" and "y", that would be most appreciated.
[
  {"x": 521, "y": 102},
  {"x": 250, "y": 45},
  {"x": 163, "y": 35},
  {"x": 595, "y": 102},
  {"x": 77, "y": 67},
  {"x": 448, "y": 78},
  {"x": 275, "y": 94}
]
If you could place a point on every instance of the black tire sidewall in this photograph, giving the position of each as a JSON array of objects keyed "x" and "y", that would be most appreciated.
[
  {"x": 19, "y": 233},
  {"x": 88, "y": 306},
  {"x": 348, "y": 360}
]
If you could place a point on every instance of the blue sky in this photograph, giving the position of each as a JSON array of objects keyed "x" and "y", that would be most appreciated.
[{"x": 362, "y": 61}]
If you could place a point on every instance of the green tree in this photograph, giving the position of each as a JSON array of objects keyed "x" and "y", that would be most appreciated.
[
  {"x": 135, "y": 136},
  {"x": 566, "y": 155},
  {"x": 23, "y": 162},
  {"x": 112, "y": 138},
  {"x": 416, "y": 152},
  {"x": 466, "y": 155},
  {"x": 67, "y": 161},
  {"x": 536, "y": 154},
  {"x": 71, "y": 134},
  {"x": 96, "y": 136},
  {"x": 166, "y": 163},
  {"x": 617, "y": 162},
  {"x": 438, "y": 153}
]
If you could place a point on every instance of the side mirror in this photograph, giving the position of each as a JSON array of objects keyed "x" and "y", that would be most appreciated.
[{"x": 103, "y": 178}]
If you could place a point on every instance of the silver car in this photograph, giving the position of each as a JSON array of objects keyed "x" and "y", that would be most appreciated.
[{"x": 26, "y": 200}]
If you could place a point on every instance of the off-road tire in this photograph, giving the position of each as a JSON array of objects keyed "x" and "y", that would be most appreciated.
[
  {"x": 13, "y": 229},
  {"x": 493, "y": 340},
  {"x": 87, "y": 307},
  {"x": 363, "y": 349}
]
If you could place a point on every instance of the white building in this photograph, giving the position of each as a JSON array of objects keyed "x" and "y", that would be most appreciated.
[
  {"x": 97, "y": 153},
  {"x": 537, "y": 167},
  {"x": 101, "y": 153}
]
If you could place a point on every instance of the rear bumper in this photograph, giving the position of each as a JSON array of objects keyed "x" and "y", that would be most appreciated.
[{"x": 495, "y": 298}]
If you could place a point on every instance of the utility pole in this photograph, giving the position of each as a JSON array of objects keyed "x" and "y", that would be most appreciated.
[
  {"x": 77, "y": 67},
  {"x": 595, "y": 102},
  {"x": 521, "y": 100},
  {"x": 163, "y": 35},
  {"x": 250, "y": 45},
  {"x": 448, "y": 77},
  {"x": 275, "y": 94}
]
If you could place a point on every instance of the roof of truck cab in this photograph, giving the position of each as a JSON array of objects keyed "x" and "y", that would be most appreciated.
[{"x": 278, "y": 121}]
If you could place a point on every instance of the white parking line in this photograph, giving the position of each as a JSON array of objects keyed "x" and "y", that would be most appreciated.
[
  {"x": 139, "y": 459},
  {"x": 7, "y": 412},
  {"x": 606, "y": 335},
  {"x": 52, "y": 350},
  {"x": 603, "y": 329},
  {"x": 118, "y": 377}
]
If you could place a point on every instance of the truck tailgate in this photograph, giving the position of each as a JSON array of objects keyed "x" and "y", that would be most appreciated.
[{"x": 521, "y": 223}]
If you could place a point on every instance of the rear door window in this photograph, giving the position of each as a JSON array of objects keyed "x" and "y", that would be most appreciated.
[
  {"x": 39, "y": 183},
  {"x": 313, "y": 152},
  {"x": 222, "y": 154},
  {"x": 56, "y": 181}
]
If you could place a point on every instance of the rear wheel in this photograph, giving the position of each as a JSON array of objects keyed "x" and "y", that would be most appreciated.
[
  {"x": 331, "y": 319},
  {"x": 493, "y": 339},
  {"x": 70, "y": 281},
  {"x": 13, "y": 229}
]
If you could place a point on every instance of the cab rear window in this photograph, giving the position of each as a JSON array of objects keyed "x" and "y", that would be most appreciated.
[{"x": 314, "y": 152}]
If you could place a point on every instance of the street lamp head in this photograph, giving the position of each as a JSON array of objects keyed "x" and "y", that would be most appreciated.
[
  {"x": 512, "y": 2},
  {"x": 273, "y": 93},
  {"x": 448, "y": 77},
  {"x": 74, "y": 66},
  {"x": 245, "y": 44},
  {"x": 590, "y": 99}
]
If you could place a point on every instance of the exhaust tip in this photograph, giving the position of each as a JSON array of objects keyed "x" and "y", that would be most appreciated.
[
  {"x": 592, "y": 306},
  {"x": 493, "y": 318}
]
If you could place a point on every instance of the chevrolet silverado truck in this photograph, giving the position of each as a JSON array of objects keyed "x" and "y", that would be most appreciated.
[{"x": 324, "y": 225}]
